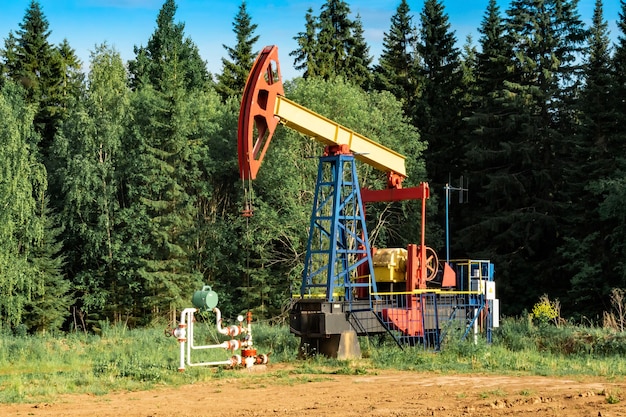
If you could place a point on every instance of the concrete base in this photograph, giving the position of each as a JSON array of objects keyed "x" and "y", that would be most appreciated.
[{"x": 343, "y": 346}]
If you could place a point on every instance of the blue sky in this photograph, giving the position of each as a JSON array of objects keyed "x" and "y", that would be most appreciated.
[{"x": 126, "y": 23}]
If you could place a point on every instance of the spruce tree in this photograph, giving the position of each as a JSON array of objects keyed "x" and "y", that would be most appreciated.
[
  {"x": 395, "y": 71},
  {"x": 526, "y": 150},
  {"x": 159, "y": 212},
  {"x": 493, "y": 57},
  {"x": 609, "y": 235},
  {"x": 35, "y": 64},
  {"x": 232, "y": 80},
  {"x": 334, "y": 33},
  {"x": 50, "y": 303},
  {"x": 180, "y": 172},
  {"x": 585, "y": 248},
  {"x": 304, "y": 57},
  {"x": 359, "y": 60},
  {"x": 485, "y": 126},
  {"x": 167, "y": 45},
  {"x": 619, "y": 73},
  {"x": 485, "y": 132},
  {"x": 39, "y": 68},
  {"x": 72, "y": 78},
  {"x": 338, "y": 49},
  {"x": 437, "y": 111},
  {"x": 70, "y": 91},
  {"x": 469, "y": 63},
  {"x": 213, "y": 180}
]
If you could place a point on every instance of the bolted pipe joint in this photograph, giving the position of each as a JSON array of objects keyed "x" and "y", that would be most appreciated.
[
  {"x": 235, "y": 360},
  {"x": 232, "y": 331},
  {"x": 262, "y": 359},
  {"x": 233, "y": 345},
  {"x": 181, "y": 332}
]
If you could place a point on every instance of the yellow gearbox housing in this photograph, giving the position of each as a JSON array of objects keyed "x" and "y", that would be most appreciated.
[{"x": 390, "y": 264}]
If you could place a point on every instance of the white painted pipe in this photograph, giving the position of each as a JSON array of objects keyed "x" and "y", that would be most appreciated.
[
  {"x": 249, "y": 331},
  {"x": 218, "y": 321},
  {"x": 217, "y": 363},
  {"x": 223, "y": 345},
  {"x": 475, "y": 326},
  {"x": 228, "y": 331},
  {"x": 181, "y": 366},
  {"x": 233, "y": 361},
  {"x": 181, "y": 335}
]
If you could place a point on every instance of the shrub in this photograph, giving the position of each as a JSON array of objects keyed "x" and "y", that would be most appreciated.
[
  {"x": 276, "y": 340},
  {"x": 516, "y": 334},
  {"x": 547, "y": 311},
  {"x": 616, "y": 319}
]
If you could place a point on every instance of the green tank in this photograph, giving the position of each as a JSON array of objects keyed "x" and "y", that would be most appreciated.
[{"x": 205, "y": 299}]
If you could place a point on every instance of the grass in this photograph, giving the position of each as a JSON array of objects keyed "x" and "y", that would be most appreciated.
[
  {"x": 39, "y": 368},
  {"x": 495, "y": 393},
  {"x": 613, "y": 397},
  {"x": 496, "y": 359}
]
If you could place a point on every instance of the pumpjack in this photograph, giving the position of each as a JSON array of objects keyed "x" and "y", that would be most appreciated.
[{"x": 347, "y": 287}]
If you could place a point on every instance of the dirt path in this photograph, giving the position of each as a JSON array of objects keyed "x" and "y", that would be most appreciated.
[{"x": 380, "y": 393}]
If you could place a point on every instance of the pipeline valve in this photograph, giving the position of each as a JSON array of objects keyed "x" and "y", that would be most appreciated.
[{"x": 206, "y": 300}]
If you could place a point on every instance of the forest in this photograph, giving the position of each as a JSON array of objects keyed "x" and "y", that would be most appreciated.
[{"x": 119, "y": 181}]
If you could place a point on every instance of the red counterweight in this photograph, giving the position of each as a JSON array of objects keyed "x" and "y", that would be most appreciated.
[{"x": 257, "y": 121}]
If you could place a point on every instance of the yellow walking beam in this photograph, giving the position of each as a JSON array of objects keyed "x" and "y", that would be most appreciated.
[{"x": 331, "y": 133}]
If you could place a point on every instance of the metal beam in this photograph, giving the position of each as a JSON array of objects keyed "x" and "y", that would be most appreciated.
[{"x": 331, "y": 133}]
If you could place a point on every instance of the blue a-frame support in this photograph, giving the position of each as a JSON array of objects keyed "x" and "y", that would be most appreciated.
[{"x": 338, "y": 242}]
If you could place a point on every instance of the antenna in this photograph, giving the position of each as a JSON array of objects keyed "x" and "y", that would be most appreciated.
[{"x": 463, "y": 190}]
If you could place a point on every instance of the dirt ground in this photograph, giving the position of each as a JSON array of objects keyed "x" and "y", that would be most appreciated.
[{"x": 376, "y": 393}]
